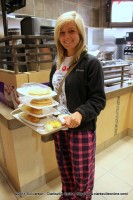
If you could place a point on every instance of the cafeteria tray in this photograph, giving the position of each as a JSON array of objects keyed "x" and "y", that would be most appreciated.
[{"x": 39, "y": 129}]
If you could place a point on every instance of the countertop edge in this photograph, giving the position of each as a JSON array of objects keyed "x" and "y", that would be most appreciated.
[{"x": 117, "y": 90}]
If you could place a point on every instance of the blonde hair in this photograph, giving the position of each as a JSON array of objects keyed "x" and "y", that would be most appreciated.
[{"x": 65, "y": 18}]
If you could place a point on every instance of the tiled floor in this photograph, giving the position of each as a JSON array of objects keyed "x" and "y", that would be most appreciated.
[{"x": 113, "y": 178}]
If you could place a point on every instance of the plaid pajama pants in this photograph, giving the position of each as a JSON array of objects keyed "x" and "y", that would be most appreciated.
[{"x": 75, "y": 153}]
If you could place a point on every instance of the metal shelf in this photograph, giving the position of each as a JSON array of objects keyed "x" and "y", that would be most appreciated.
[
  {"x": 29, "y": 50},
  {"x": 115, "y": 74}
]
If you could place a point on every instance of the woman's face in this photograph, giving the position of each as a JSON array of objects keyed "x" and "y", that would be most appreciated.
[{"x": 69, "y": 37}]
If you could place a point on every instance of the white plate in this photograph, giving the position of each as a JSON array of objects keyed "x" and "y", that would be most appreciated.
[
  {"x": 26, "y": 101},
  {"x": 45, "y": 111},
  {"x": 21, "y": 116},
  {"x": 24, "y": 90}
]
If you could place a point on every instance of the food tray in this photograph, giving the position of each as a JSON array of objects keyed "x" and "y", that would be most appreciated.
[
  {"x": 39, "y": 129},
  {"x": 26, "y": 101},
  {"x": 45, "y": 111},
  {"x": 24, "y": 90}
]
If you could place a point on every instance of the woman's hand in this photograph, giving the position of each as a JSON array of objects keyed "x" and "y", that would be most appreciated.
[{"x": 73, "y": 120}]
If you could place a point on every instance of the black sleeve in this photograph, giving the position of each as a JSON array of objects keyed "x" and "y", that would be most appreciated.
[{"x": 96, "y": 95}]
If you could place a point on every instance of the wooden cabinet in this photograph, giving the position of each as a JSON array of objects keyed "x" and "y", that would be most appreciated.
[
  {"x": 115, "y": 120},
  {"x": 2, "y": 155},
  {"x": 130, "y": 113},
  {"x": 123, "y": 108},
  {"x": 106, "y": 122}
]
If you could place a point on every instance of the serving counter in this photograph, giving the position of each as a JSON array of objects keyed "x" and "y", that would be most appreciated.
[
  {"x": 25, "y": 160},
  {"x": 115, "y": 121},
  {"x": 29, "y": 163}
]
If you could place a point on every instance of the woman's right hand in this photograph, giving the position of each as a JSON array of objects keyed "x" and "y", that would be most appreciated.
[{"x": 73, "y": 120}]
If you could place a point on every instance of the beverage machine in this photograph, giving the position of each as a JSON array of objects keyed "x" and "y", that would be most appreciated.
[{"x": 128, "y": 50}]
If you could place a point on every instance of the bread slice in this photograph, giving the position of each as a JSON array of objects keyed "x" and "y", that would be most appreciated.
[
  {"x": 34, "y": 110},
  {"x": 39, "y": 91},
  {"x": 41, "y": 102},
  {"x": 31, "y": 118}
]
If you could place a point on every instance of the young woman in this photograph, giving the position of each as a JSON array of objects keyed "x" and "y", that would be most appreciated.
[{"x": 82, "y": 97}]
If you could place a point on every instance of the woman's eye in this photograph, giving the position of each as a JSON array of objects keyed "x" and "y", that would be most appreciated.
[
  {"x": 62, "y": 33},
  {"x": 72, "y": 31}
]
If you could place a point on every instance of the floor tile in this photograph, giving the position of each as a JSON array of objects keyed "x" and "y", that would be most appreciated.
[
  {"x": 107, "y": 160},
  {"x": 110, "y": 184},
  {"x": 95, "y": 196},
  {"x": 121, "y": 148},
  {"x": 99, "y": 171},
  {"x": 51, "y": 191},
  {"x": 124, "y": 170},
  {"x": 129, "y": 196}
]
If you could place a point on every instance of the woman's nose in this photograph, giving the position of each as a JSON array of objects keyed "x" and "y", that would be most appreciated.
[{"x": 66, "y": 35}]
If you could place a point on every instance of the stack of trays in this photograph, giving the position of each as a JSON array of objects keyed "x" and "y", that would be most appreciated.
[{"x": 38, "y": 107}]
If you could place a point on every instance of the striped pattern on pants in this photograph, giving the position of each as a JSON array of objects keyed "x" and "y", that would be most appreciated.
[{"x": 75, "y": 153}]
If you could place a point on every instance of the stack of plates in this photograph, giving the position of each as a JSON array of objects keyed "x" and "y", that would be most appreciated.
[{"x": 36, "y": 114}]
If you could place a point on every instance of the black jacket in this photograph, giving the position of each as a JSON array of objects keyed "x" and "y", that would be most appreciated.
[{"x": 84, "y": 88}]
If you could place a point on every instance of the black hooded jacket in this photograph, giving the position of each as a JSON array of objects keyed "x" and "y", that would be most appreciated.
[{"x": 84, "y": 88}]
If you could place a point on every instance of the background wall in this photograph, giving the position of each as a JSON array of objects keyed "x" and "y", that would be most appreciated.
[{"x": 51, "y": 9}]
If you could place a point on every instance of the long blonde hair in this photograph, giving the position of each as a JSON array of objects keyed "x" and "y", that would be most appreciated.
[{"x": 65, "y": 18}]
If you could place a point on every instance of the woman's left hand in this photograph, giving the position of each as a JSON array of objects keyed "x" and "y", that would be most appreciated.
[{"x": 73, "y": 120}]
